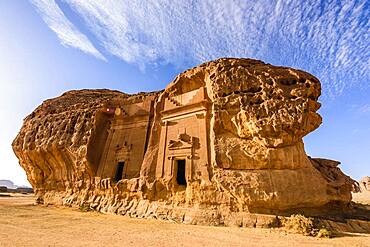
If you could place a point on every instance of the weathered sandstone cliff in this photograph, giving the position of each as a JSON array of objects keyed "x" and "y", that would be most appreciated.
[{"x": 221, "y": 142}]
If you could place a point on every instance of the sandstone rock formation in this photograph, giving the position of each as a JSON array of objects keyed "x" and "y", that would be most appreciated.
[
  {"x": 221, "y": 142},
  {"x": 362, "y": 193},
  {"x": 365, "y": 184}
]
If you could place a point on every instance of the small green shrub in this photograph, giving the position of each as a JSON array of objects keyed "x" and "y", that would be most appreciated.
[
  {"x": 39, "y": 200},
  {"x": 85, "y": 208},
  {"x": 324, "y": 233}
]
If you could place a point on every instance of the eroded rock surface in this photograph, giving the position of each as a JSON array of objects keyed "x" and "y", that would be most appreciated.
[
  {"x": 221, "y": 143},
  {"x": 365, "y": 184}
]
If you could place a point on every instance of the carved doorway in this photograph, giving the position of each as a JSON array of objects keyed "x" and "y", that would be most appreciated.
[
  {"x": 119, "y": 171},
  {"x": 180, "y": 175}
]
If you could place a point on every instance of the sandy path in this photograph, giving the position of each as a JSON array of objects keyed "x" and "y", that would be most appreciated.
[{"x": 24, "y": 224}]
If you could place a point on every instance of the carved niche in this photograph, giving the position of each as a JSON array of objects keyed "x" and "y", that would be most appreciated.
[
  {"x": 123, "y": 152},
  {"x": 183, "y": 141},
  {"x": 182, "y": 146}
]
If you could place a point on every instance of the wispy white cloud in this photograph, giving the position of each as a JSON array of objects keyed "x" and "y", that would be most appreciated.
[
  {"x": 66, "y": 31},
  {"x": 364, "y": 108},
  {"x": 327, "y": 38}
]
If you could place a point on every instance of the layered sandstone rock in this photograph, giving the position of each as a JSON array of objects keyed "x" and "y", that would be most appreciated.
[
  {"x": 365, "y": 184},
  {"x": 361, "y": 194},
  {"x": 221, "y": 142},
  {"x": 61, "y": 142}
]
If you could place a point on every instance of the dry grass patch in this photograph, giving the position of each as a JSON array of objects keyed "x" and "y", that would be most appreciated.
[{"x": 301, "y": 224}]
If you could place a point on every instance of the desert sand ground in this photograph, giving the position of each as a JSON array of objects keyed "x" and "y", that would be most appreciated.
[{"x": 24, "y": 224}]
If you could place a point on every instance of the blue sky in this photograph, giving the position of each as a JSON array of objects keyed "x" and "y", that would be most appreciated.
[{"x": 48, "y": 47}]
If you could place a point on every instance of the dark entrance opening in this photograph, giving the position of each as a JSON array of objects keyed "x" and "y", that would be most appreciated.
[
  {"x": 180, "y": 178},
  {"x": 119, "y": 171}
]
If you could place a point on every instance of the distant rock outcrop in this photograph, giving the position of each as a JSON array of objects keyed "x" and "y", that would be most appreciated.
[
  {"x": 221, "y": 142},
  {"x": 7, "y": 183},
  {"x": 365, "y": 184}
]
